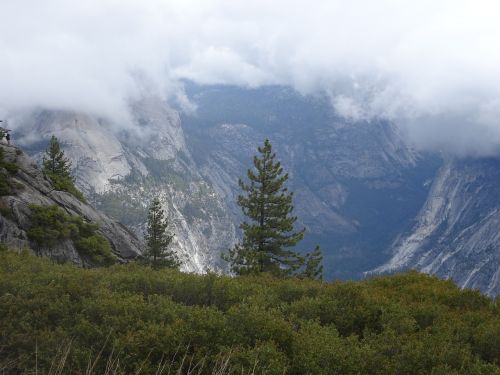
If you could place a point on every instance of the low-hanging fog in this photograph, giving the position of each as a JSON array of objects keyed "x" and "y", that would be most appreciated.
[{"x": 431, "y": 66}]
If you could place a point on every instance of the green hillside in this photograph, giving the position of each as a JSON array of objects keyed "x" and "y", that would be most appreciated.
[{"x": 130, "y": 319}]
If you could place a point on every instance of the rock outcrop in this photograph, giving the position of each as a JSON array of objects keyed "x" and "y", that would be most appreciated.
[
  {"x": 457, "y": 233},
  {"x": 31, "y": 187}
]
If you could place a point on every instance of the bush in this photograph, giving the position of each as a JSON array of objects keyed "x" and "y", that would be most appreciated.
[
  {"x": 51, "y": 225},
  {"x": 7, "y": 170},
  {"x": 67, "y": 185},
  {"x": 142, "y": 318},
  {"x": 96, "y": 248},
  {"x": 5, "y": 188}
]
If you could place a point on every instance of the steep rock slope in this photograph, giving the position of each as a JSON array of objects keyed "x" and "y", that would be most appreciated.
[
  {"x": 121, "y": 168},
  {"x": 457, "y": 234},
  {"x": 31, "y": 187}
]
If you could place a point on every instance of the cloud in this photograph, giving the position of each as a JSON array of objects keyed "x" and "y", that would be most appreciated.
[{"x": 431, "y": 66}]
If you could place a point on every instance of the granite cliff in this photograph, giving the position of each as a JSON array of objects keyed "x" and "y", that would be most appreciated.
[{"x": 456, "y": 234}]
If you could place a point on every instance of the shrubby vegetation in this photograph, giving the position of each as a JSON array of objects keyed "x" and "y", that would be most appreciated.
[
  {"x": 6, "y": 170},
  {"x": 138, "y": 318},
  {"x": 51, "y": 225}
]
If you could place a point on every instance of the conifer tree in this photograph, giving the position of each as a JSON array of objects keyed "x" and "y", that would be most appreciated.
[
  {"x": 58, "y": 168},
  {"x": 314, "y": 265},
  {"x": 269, "y": 232},
  {"x": 158, "y": 238},
  {"x": 55, "y": 162}
]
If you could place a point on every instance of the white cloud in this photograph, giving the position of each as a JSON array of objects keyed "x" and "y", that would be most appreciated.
[{"x": 433, "y": 66}]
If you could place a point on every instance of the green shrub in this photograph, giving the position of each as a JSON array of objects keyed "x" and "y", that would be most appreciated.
[
  {"x": 5, "y": 211},
  {"x": 140, "y": 318},
  {"x": 97, "y": 248},
  {"x": 11, "y": 168},
  {"x": 67, "y": 185},
  {"x": 51, "y": 225},
  {"x": 7, "y": 170},
  {"x": 5, "y": 188}
]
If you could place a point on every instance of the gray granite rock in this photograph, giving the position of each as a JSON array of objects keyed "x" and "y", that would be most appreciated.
[{"x": 32, "y": 187}]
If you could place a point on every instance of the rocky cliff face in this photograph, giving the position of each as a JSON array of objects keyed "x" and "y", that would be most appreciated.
[
  {"x": 457, "y": 231},
  {"x": 31, "y": 187},
  {"x": 122, "y": 168}
]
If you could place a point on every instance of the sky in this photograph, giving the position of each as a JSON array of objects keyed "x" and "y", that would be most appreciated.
[{"x": 432, "y": 67}]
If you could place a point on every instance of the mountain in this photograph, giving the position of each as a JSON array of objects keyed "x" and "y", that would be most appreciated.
[
  {"x": 357, "y": 184},
  {"x": 27, "y": 186},
  {"x": 362, "y": 191},
  {"x": 457, "y": 233},
  {"x": 122, "y": 168}
]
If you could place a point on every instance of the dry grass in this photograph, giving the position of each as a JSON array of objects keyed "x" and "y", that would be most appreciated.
[{"x": 166, "y": 366}]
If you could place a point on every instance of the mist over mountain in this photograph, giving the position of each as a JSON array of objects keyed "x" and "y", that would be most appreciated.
[{"x": 432, "y": 67}]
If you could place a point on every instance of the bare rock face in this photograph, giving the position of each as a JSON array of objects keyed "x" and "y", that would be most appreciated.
[
  {"x": 457, "y": 232},
  {"x": 122, "y": 167},
  {"x": 31, "y": 187}
]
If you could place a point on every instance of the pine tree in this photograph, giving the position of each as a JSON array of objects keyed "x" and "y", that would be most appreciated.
[
  {"x": 269, "y": 234},
  {"x": 55, "y": 162},
  {"x": 158, "y": 238},
  {"x": 314, "y": 265},
  {"x": 58, "y": 168}
]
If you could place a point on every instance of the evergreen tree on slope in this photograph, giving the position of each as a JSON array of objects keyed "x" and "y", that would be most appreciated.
[
  {"x": 55, "y": 162},
  {"x": 269, "y": 234},
  {"x": 158, "y": 238},
  {"x": 58, "y": 168},
  {"x": 314, "y": 265}
]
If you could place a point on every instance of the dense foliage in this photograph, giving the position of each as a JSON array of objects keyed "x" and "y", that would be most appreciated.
[
  {"x": 50, "y": 225},
  {"x": 314, "y": 264},
  {"x": 58, "y": 168},
  {"x": 158, "y": 238},
  {"x": 138, "y": 318},
  {"x": 6, "y": 171},
  {"x": 268, "y": 232}
]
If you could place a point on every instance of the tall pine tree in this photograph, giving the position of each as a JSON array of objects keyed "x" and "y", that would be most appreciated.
[
  {"x": 58, "y": 168},
  {"x": 269, "y": 232},
  {"x": 55, "y": 162},
  {"x": 158, "y": 238}
]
